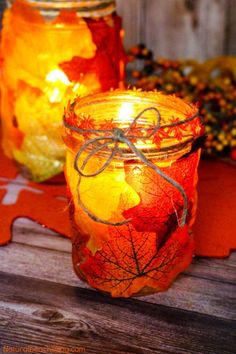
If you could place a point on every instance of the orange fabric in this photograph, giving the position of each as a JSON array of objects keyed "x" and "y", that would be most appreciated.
[
  {"x": 44, "y": 203},
  {"x": 215, "y": 226},
  {"x": 214, "y": 229}
]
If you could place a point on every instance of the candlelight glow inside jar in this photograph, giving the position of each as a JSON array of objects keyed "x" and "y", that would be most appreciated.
[
  {"x": 131, "y": 170},
  {"x": 52, "y": 51}
]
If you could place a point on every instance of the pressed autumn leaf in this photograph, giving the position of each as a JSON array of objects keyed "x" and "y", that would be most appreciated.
[
  {"x": 86, "y": 123},
  {"x": 106, "y": 35},
  {"x": 105, "y": 63},
  {"x": 25, "y": 10},
  {"x": 107, "y": 125},
  {"x": 160, "y": 202},
  {"x": 77, "y": 68},
  {"x": 159, "y": 136},
  {"x": 131, "y": 261},
  {"x": 67, "y": 17},
  {"x": 177, "y": 131},
  {"x": 195, "y": 128}
]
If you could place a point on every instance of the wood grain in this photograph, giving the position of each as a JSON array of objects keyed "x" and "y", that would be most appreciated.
[
  {"x": 207, "y": 287},
  {"x": 179, "y": 28},
  {"x": 38, "y": 312},
  {"x": 176, "y": 31},
  {"x": 230, "y": 43},
  {"x": 27, "y": 232},
  {"x": 132, "y": 13}
]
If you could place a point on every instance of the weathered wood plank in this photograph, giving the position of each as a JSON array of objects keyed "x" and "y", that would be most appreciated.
[
  {"x": 189, "y": 291},
  {"x": 200, "y": 295},
  {"x": 40, "y": 263},
  {"x": 230, "y": 42},
  {"x": 212, "y": 18},
  {"x": 42, "y": 313},
  {"x": 222, "y": 270},
  {"x": 132, "y": 13},
  {"x": 30, "y": 233},
  {"x": 176, "y": 28}
]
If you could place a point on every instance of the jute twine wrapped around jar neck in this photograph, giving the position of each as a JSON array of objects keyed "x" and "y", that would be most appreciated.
[{"x": 110, "y": 139}]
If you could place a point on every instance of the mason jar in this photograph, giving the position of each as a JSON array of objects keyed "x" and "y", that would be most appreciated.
[
  {"x": 53, "y": 51},
  {"x": 131, "y": 170}
]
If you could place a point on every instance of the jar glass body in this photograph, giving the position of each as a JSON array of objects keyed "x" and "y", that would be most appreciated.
[
  {"x": 150, "y": 246},
  {"x": 53, "y": 51}
]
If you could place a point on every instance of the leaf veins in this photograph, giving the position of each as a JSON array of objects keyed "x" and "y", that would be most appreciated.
[{"x": 130, "y": 261}]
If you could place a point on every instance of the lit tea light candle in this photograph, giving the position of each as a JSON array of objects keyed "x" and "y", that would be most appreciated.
[
  {"x": 45, "y": 65},
  {"x": 131, "y": 170},
  {"x": 60, "y": 83}
]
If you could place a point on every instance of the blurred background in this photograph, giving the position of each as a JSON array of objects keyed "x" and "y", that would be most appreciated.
[{"x": 197, "y": 29}]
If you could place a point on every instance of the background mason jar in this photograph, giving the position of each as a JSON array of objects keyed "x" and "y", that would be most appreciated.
[{"x": 75, "y": 50}]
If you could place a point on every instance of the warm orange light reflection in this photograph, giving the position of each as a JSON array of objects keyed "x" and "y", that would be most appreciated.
[
  {"x": 125, "y": 112},
  {"x": 149, "y": 250}
]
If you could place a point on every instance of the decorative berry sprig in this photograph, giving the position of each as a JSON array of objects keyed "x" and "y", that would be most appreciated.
[{"x": 211, "y": 84}]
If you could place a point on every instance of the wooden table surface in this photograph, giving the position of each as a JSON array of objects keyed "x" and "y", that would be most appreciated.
[{"x": 45, "y": 308}]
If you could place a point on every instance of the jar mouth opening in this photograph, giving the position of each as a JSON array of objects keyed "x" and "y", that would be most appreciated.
[
  {"x": 140, "y": 97},
  {"x": 84, "y": 8}
]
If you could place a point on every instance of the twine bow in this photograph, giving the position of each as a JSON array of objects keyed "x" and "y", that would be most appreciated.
[{"x": 114, "y": 137}]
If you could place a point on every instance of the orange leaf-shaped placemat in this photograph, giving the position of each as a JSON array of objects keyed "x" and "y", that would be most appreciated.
[
  {"x": 215, "y": 226},
  {"x": 44, "y": 203}
]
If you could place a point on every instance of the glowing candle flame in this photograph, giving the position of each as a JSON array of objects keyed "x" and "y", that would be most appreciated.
[
  {"x": 125, "y": 112},
  {"x": 58, "y": 84},
  {"x": 57, "y": 75}
]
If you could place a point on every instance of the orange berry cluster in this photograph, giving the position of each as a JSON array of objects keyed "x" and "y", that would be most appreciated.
[{"x": 215, "y": 94}]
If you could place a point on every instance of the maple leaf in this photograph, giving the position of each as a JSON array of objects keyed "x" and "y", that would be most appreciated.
[
  {"x": 107, "y": 125},
  {"x": 130, "y": 262},
  {"x": 176, "y": 131},
  {"x": 70, "y": 116},
  {"x": 161, "y": 204},
  {"x": 77, "y": 68},
  {"x": 86, "y": 123},
  {"x": 159, "y": 136},
  {"x": 195, "y": 126},
  {"x": 105, "y": 63},
  {"x": 106, "y": 36}
]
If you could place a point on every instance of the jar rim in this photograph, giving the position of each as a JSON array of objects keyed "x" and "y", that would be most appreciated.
[
  {"x": 85, "y": 8},
  {"x": 151, "y": 97},
  {"x": 79, "y": 122}
]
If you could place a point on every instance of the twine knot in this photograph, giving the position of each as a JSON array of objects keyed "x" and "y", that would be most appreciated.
[{"x": 118, "y": 134}]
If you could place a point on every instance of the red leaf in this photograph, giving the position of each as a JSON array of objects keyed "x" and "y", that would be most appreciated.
[
  {"x": 130, "y": 262},
  {"x": 107, "y": 125},
  {"x": 177, "y": 131},
  {"x": 160, "y": 202},
  {"x": 105, "y": 63},
  {"x": 159, "y": 136}
]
